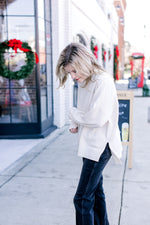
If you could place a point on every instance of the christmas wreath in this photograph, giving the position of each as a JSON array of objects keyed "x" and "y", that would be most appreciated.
[
  {"x": 27, "y": 66},
  {"x": 94, "y": 47},
  {"x": 116, "y": 62},
  {"x": 103, "y": 53},
  {"x": 109, "y": 54}
]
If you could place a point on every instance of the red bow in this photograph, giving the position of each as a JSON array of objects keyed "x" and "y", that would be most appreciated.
[
  {"x": 95, "y": 53},
  {"x": 117, "y": 51},
  {"x": 15, "y": 44},
  {"x": 96, "y": 48}
]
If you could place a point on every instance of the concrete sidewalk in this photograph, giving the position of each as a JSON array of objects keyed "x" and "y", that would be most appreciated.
[{"x": 38, "y": 188}]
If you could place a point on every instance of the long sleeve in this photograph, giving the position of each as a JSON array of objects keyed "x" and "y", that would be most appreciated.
[{"x": 101, "y": 107}]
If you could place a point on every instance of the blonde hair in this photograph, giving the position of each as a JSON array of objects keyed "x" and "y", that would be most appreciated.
[{"x": 80, "y": 58}]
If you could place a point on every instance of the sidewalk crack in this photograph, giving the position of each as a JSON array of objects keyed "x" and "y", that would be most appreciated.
[{"x": 123, "y": 183}]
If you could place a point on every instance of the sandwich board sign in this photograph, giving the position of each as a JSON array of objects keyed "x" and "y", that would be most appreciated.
[{"x": 125, "y": 99}]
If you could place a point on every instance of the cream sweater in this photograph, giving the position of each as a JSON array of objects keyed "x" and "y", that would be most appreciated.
[{"x": 96, "y": 117}]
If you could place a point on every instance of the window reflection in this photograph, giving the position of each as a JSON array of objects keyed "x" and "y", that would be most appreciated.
[
  {"x": 2, "y": 7},
  {"x": 4, "y": 106},
  {"x": 48, "y": 64},
  {"x": 4, "y": 82},
  {"x": 24, "y": 109},
  {"x": 22, "y": 28},
  {"x": 3, "y": 28},
  {"x": 19, "y": 103},
  {"x": 48, "y": 38},
  {"x": 49, "y": 99},
  {"x": 14, "y": 61},
  {"x": 20, "y": 7},
  {"x": 43, "y": 104},
  {"x": 43, "y": 79}
]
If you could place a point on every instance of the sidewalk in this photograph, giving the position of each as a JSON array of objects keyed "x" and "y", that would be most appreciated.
[{"x": 38, "y": 188}]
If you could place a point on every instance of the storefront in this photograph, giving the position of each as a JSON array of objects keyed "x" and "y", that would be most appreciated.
[{"x": 26, "y": 105}]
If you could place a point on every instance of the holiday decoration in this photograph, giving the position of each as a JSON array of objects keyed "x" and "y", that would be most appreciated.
[
  {"x": 103, "y": 53},
  {"x": 23, "y": 66},
  {"x": 116, "y": 62},
  {"x": 94, "y": 47},
  {"x": 109, "y": 54}
]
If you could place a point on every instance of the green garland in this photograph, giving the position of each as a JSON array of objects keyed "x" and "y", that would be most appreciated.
[
  {"x": 25, "y": 70},
  {"x": 116, "y": 62},
  {"x": 92, "y": 43}
]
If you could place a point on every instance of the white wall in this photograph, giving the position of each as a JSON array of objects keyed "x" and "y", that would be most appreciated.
[
  {"x": 89, "y": 19},
  {"x": 61, "y": 36},
  {"x": 70, "y": 17}
]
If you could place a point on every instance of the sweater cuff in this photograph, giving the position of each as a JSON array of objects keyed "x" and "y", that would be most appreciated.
[{"x": 73, "y": 125}]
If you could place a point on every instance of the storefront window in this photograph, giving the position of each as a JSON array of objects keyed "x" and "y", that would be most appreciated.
[
  {"x": 18, "y": 97},
  {"x": 26, "y": 103}
]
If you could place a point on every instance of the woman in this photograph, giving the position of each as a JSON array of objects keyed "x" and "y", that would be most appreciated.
[{"x": 96, "y": 121}]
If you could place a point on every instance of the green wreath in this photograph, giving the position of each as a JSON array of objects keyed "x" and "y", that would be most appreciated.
[{"x": 25, "y": 70}]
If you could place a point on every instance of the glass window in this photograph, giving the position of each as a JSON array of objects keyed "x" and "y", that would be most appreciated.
[
  {"x": 3, "y": 29},
  {"x": 43, "y": 78},
  {"x": 49, "y": 97},
  {"x": 23, "y": 105},
  {"x": 48, "y": 66},
  {"x": 4, "y": 105},
  {"x": 29, "y": 81},
  {"x": 48, "y": 38},
  {"x": 18, "y": 98},
  {"x": 20, "y": 7},
  {"x": 22, "y": 28},
  {"x": 43, "y": 104},
  {"x": 4, "y": 82}
]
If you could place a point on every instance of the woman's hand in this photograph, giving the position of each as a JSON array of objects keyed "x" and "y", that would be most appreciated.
[{"x": 74, "y": 130}]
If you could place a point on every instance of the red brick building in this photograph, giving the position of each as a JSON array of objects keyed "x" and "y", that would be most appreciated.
[{"x": 120, "y": 6}]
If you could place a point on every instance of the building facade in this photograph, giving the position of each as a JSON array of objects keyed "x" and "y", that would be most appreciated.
[
  {"x": 34, "y": 106},
  {"x": 120, "y": 6}
]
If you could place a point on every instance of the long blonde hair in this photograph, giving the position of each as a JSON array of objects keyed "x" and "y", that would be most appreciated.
[{"x": 79, "y": 57}]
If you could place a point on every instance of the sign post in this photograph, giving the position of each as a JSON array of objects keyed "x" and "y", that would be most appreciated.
[{"x": 125, "y": 99}]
